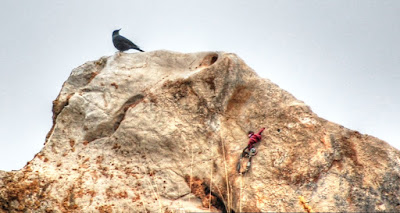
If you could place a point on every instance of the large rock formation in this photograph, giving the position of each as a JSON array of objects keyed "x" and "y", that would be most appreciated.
[{"x": 162, "y": 132}]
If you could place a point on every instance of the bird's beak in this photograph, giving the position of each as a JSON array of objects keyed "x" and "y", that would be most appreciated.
[{"x": 120, "y": 29}]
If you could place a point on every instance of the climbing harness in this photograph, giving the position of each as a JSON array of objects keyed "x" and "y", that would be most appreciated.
[{"x": 246, "y": 154}]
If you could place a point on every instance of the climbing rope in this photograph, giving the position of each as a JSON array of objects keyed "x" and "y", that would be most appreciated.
[
  {"x": 153, "y": 186},
  {"x": 211, "y": 171},
  {"x": 229, "y": 202},
  {"x": 240, "y": 194},
  {"x": 191, "y": 168}
]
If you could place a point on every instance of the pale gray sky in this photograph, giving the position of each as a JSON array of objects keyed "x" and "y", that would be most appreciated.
[{"x": 341, "y": 58}]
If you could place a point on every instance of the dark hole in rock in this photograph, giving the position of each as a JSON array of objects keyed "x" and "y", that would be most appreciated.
[
  {"x": 214, "y": 59},
  {"x": 209, "y": 60},
  {"x": 219, "y": 204}
]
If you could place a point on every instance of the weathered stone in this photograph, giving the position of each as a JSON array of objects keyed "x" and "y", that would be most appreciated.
[{"x": 162, "y": 132}]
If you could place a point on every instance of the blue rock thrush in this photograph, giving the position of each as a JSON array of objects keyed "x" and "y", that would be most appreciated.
[{"x": 122, "y": 43}]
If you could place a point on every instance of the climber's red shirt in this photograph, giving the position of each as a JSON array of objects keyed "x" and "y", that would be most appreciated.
[{"x": 254, "y": 138}]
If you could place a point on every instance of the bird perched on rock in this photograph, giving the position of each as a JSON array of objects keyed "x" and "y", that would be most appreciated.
[{"x": 122, "y": 43}]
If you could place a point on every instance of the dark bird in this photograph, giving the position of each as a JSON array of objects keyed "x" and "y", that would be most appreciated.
[{"x": 122, "y": 43}]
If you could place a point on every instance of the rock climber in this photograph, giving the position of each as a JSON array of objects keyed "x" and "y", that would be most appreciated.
[
  {"x": 249, "y": 151},
  {"x": 254, "y": 138}
]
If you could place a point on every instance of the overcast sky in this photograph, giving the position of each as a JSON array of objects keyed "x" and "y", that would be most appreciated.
[{"x": 341, "y": 58}]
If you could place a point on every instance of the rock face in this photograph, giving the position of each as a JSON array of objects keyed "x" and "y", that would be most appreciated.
[{"x": 162, "y": 132}]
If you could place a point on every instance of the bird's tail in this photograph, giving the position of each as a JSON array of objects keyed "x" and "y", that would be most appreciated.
[{"x": 140, "y": 50}]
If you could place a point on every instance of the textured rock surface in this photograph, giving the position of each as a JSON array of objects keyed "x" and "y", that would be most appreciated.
[{"x": 159, "y": 131}]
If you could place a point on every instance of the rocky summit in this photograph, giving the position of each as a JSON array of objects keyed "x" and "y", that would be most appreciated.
[{"x": 163, "y": 131}]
